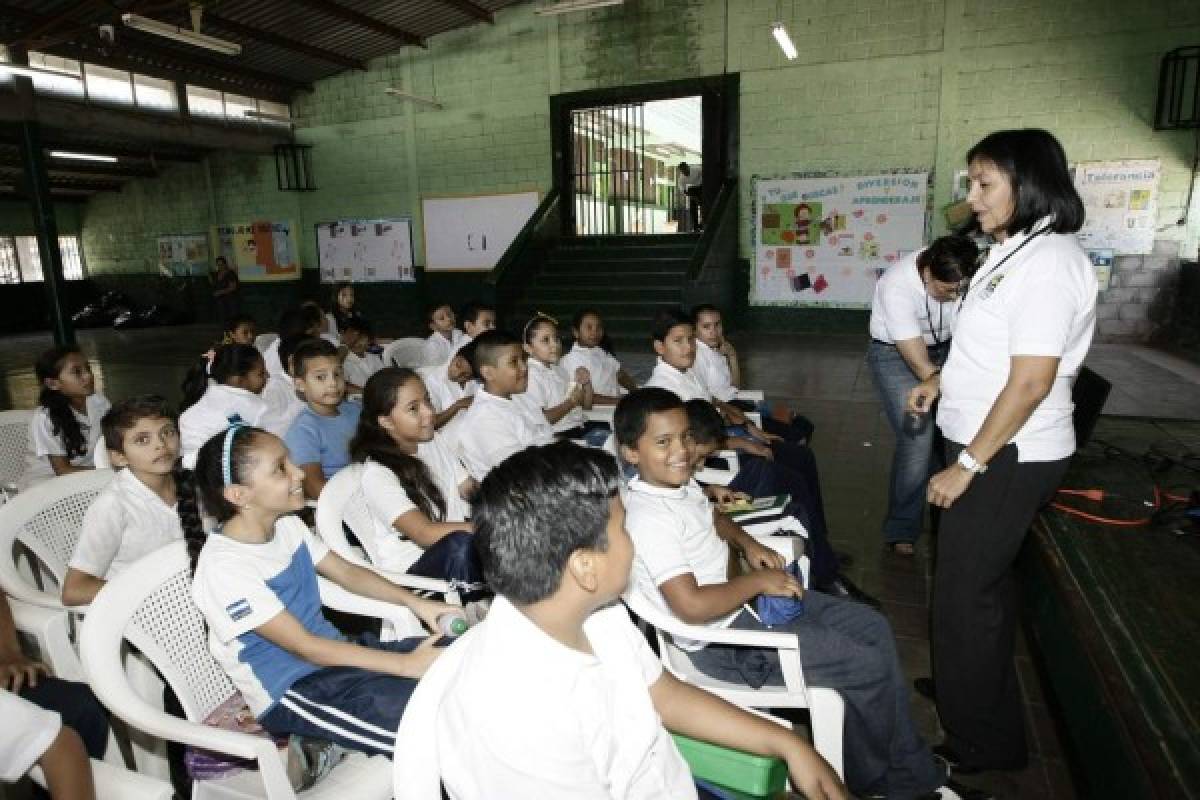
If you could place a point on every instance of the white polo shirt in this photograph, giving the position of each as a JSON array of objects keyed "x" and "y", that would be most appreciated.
[
  {"x": 687, "y": 384},
  {"x": 443, "y": 392},
  {"x": 283, "y": 404},
  {"x": 1041, "y": 302},
  {"x": 494, "y": 428},
  {"x": 902, "y": 309},
  {"x": 126, "y": 521},
  {"x": 359, "y": 369},
  {"x": 439, "y": 349},
  {"x": 673, "y": 534},
  {"x": 387, "y": 499},
  {"x": 272, "y": 360},
  {"x": 528, "y": 717},
  {"x": 548, "y": 384},
  {"x": 600, "y": 363},
  {"x": 210, "y": 415},
  {"x": 43, "y": 442},
  {"x": 26, "y": 735},
  {"x": 713, "y": 371}
]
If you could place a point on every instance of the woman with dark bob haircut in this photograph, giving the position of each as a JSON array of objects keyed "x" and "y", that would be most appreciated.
[{"x": 1024, "y": 325}]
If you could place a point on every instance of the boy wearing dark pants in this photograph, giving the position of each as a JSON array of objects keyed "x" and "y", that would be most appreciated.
[{"x": 682, "y": 566}]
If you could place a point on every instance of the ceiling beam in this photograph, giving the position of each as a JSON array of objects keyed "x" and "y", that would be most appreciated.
[
  {"x": 35, "y": 35},
  {"x": 363, "y": 21},
  {"x": 272, "y": 38},
  {"x": 83, "y": 170},
  {"x": 471, "y": 10}
]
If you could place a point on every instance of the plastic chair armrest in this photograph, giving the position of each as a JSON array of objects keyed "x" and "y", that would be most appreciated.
[
  {"x": 767, "y": 639},
  {"x": 340, "y": 599},
  {"x": 751, "y": 395}
]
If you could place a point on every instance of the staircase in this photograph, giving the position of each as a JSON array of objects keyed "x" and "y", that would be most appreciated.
[{"x": 626, "y": 278}]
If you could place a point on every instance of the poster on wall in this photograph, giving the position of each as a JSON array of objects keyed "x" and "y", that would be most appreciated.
[
  {"x": 365, "y": 250},
  {"x": 823, "y": 240},
  {"x": 183, "y": 254},
  {"x": 260, "y": 251},
  {"x": 1121, "y": 200}
]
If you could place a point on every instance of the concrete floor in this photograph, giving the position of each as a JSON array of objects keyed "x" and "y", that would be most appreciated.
[{"x": 826, "y": 378}]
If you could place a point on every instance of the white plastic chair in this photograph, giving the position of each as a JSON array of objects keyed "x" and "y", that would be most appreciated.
[
  {"x": 116, "y": 783},
  {"x": 265, "y": 340},
  {"x": 342, "y": 501},
  {"x": 14, "y": 440},
  {"x": 150, "y": 606},
  {"x": 407, "y": 352},
  {"x": 826, "y": 707},
  {"x": 750, "y": 395},
  {"x": 720, "y": 477}
]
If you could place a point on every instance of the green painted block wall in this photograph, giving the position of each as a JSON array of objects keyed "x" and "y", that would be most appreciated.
[{"x": 906, "y": 83}]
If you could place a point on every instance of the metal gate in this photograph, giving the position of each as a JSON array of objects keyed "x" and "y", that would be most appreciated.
[{"x": 611, "y": 188}]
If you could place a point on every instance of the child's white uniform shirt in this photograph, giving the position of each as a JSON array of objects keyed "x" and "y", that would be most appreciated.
[
  {"x": 548, "y": 384},
  {"x": 43, "y": 442},
  {"x": 272, "y": 360},
  {"x": 525, "y": 716},
  {"x": 439, "y": 349},
  {"x": 283, "y": 404},
  {"x": 359, "y": 369},
  {"x": 713, "y": 370},
  {"x": 443, "y": 392},
  {"x": 600, "y": 363},
  {"x": 26, "y": 735},
  {"x": 494, "y": 428},
  {"x": 387, "y": 499},
  {"x": 126, "y": 521},
  {"x": 210, "y": 416},
  {"x": 687, "y": 384},
  {"x": 673, "y": 534}
]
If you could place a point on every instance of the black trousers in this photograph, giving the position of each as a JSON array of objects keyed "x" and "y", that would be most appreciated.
[{"x": 975, "y": 607}]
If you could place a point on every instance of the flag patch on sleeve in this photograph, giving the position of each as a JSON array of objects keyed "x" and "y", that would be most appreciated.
[{"x": 239, "y": 609}]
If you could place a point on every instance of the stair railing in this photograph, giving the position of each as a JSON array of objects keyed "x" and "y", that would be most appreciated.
[
  {"x": 712, "y": 268},
  {"x": 523, "y": 258}
]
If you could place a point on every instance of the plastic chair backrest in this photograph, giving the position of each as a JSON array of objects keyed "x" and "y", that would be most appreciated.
[
  {"x": 14, "y": 441},
  {"x": 409, "y": 352},
  {"x": 342, "y": 501},
  {"x": 265, "y": 340}
]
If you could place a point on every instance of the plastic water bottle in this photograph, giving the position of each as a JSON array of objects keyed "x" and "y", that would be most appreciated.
[{"x": 453, "y": 623}]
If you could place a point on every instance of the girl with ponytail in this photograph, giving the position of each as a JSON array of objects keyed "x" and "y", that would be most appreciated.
[{"x": 223, "y": 383}]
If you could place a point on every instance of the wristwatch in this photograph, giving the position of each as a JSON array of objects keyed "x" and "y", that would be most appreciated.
[{"x": 968, "y": 462}]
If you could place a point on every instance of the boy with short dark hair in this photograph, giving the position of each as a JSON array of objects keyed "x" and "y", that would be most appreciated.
[
  {"x": 444, "y": 339},
  {"x": 478, "y": 317},
  {"x": 360, "y": 364},
  {"x": 558, "y": 694},
  {"x": 682, "y": 566},
  {"x": 494, "y": 426},
  {"x": 319, "y": 438}
]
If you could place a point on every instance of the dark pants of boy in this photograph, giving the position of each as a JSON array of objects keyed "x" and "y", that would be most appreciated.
[
  {"x": 452, "y": 558},
  {"x": 355, "y": 708},
  {"x": 78, "y": 707},
  {"x": 759, "y": 477},
  {"x": 848, "y": 647},
  {"x": 975, "y": 609}
]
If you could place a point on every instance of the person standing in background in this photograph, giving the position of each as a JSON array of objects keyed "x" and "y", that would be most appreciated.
[{"x": 226, "y": 287}]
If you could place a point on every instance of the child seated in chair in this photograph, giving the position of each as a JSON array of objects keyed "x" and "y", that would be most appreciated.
[
  {"x": 360, "y": 363},
  {"x": 498, "y": 425},
  {"x": 319, "y": 438},
  {"x": 593, "y": 351},
  {"x": 256, "y": 585},
  {"x": 444, "y": 338},
  {"x": 450, "y": 386},
  {"x": 682, "y": 566},
  {"x": 559, "y": 695}
]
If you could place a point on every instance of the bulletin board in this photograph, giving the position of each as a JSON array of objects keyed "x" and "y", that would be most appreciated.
[
  {"x": 472, "y": 233},
  {"x": 823, "y": 240},
  {"x": 366, "y": 250},
  {"x": 260, "y": 251},
  {"x": 1121, "y": 201},
  {"x": 183, "y": 254}
]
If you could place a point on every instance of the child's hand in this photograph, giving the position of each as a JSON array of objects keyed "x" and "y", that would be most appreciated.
[
  {"x": 811, "y": 775},
  {"x": 419, "y": 660},
  {"x": 779, "y": 583},
  {"x": 428, "y": 612},
  {"x": 582, "y": 376},
  {"x": 734, "y": 415},
  {"x": 727, "y": 349},
  {"x": 759, "y": 556},
  {"x": 464, "y": 402},
  {"x": 19, "y": 671},
  {"x": 723, "y": 496}
]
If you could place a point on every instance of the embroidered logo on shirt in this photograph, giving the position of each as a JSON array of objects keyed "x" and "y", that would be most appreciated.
[
  {"x": 239, "y": 609},
  {"x": 991, "y": 286}
]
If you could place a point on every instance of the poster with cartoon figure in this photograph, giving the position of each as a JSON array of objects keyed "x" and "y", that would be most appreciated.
[
  {"x": 1121, "y": 201},
  {"x": 823, "y": 240},
  {"x": 260, "y": 251}
]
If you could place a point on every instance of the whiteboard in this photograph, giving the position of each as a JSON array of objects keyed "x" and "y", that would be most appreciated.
[
  {"x": 365, "y": 250},
  {"x": 471, "y": 233}
]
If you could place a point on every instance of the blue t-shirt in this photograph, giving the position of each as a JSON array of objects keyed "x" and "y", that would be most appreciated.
[{"x": 317, "y": 439}]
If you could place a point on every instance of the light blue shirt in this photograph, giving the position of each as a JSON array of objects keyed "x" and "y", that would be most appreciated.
[{"x": 317, "y": 439}]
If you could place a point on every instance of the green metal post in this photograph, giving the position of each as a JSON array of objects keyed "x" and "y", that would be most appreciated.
[{"x": 38, "y": 185}]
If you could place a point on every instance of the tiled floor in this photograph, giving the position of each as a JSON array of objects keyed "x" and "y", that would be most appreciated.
[{"x": 825, "y": 377}]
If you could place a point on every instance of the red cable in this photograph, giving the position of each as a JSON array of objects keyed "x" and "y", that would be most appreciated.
[{"x": 1098, "y": 495}]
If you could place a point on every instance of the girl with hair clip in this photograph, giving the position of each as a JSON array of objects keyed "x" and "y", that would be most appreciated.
[
  {"x": 559, "y": 396},
  {"x": 593, "y": 350},
  {"x": 414, "y": 484},
  {"x": 256, "y": 585},
  {"x": 66, "y": 426},
  {"x": 223, "y": 383},
  {"x": 149, "y": 504}
]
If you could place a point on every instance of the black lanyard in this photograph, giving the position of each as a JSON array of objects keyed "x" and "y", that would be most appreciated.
[
  {"x": 971, "y": 287},
  {"x": 937, "y": 336}
]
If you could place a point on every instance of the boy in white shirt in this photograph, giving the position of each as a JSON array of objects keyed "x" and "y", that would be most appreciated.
[
  {"x": 444, "y": 339},
  {"x": 284, "y": 402},
  {"x": 478, "y": 317},
  {"x": 559, "y": 695},
  {"x": 496, "y": 426},
  {"x": 450, "y": 386},
  {"x": 360, "y": 365},
  {"x": 682, "y": 565}
]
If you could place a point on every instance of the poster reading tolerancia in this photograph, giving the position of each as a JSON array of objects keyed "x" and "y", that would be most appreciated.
[
  {"x": 824, "y": 240},
  {"x": 1121, "y": 201}
]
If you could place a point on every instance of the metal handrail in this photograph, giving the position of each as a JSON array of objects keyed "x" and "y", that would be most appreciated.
[
  {"x": 712, "y": 227},
  {"x": 515, "y": 250}
]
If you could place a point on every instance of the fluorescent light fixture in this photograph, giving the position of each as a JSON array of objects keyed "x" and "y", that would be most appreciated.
[
  {"x": 67, "y": 154},
  {"x": 569, "y": 6},
  {"x": 785, "y": 42},
  {"x": 34, "y": 72},
  {"x": 416, "y": 98},
  {"x": 169, "y": 31},
  {"x": 269, "y": 117}
]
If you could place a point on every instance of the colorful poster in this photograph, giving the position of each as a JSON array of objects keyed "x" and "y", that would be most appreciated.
[
  {"x": 1121, "y": 200},
  {"x": 260, "y": 251},
  {"x": 183, "y": 254},
  {"x": 824, "y": 240},
  {"x": 364, "y": 250}
]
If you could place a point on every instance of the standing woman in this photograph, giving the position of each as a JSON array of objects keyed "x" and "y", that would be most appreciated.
[
  {"x": 225, "y": 290},
  {"x": 1024, "y": 327},
  {"x": 912, "y": 319}
]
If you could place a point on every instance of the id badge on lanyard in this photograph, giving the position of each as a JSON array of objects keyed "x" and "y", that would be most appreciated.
[{"x": 991, "y": 279}]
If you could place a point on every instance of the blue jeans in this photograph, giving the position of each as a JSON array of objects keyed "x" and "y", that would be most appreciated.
[{"x": 914, "y": 445}]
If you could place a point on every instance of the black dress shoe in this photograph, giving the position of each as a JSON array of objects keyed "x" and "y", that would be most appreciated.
[
  {"x": 924, "y": 687},
  {"x": 843, "y": 587}
]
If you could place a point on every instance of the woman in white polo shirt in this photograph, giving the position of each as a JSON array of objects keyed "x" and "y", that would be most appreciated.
[
  {"x": 912, "y": 319},
  {"x": 1024, "y": 326}
]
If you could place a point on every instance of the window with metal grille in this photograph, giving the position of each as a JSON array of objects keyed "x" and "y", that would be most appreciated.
[
  {"x": 20, "y": 261},
  {"x": 10, "y": 269}
]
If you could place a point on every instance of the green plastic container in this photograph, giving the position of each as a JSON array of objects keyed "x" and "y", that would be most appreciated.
[{"x": 754, "y": 776}]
